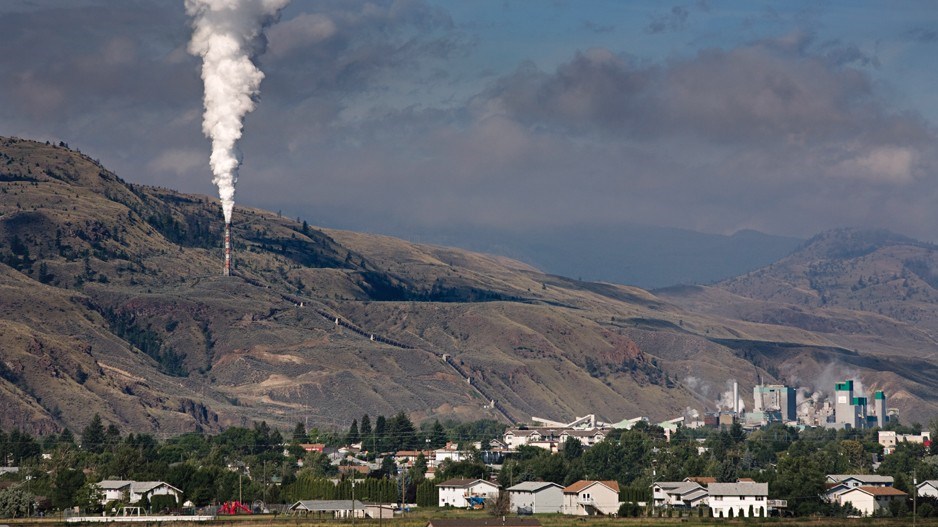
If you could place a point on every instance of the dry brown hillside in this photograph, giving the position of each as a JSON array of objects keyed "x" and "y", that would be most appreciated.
[{"x": 113, "y": 303}]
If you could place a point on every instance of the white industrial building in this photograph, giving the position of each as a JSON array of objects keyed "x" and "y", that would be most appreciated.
[{"x": 536, "y": 497}]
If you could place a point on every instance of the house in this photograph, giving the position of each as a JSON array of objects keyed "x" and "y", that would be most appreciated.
[
  {"x": 406, "y": 458},
  {"x": 450, "y": 453},
  {"x": 889, "y": 439},
  {"x": 456, "y": 492},
  {"x": 546, "y": 438},
  {"x": 536, "y": 497},
  {"x": 735, "y": 499},
  {"x": 504, "y": 521},
  {"x": 868, "y": 500},
  {"x": 335, "y": 509},
  {"x": 379, "y": 510},
  {"x": 928, "y": 488},
  {"x": 588, "y": 498},
  {"x": 134, "y": 491},
  {"x": 679, "y": 494},
  {"x": 586, "y": 437},
  {"x": 313, "y": 447},
  {"x": 837, "y": 484}
]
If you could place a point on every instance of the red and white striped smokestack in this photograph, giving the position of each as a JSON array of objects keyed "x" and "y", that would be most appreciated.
[{"x": 227, "y": 249}]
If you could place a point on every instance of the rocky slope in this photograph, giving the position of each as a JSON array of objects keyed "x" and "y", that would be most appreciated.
[{"x": 113, "y": 303}]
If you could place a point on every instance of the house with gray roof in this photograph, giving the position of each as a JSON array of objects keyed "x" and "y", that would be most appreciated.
[
  {"x": 733, "y": 500},
  {"x": 680, "y": 494},
  {"x": 536, "y": 497},
  {"x": 336, "y": 509}
]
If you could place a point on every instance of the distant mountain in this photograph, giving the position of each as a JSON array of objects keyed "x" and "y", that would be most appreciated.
[
  {"x": 112, "y": 302},
  {"x": 868, "y": 300},
  {"x": 641, "y": 255}
]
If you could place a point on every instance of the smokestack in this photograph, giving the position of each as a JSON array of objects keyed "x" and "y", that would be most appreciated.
[
  {"x": 227, "y": 248},
  {"x": 736, "y": 397}
]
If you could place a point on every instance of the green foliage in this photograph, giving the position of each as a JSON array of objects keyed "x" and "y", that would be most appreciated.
[
  {"x": 92, "y": 436},
  {"x": 125, "y": 325},
  {"x": 15, "y": 502}
]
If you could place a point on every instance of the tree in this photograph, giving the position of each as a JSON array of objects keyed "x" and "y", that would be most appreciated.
[
  {"x": 66, "y": 486},
  {"x": 379, "y": 435},
  {"x": 419, "y": 470},
  {"x": 437, "y": 435},
  {"x": 500, "y": 505},
  {"x": 364, "y": 429},
  {"x": 401, "y": 432},
  {"x": 352, "y": 436},
  {"x": 92, "y": 436},
  {"x": 299, "y": 433},
  {"x": 572, "y": 448},
  {"x": 15, "y": 502}
]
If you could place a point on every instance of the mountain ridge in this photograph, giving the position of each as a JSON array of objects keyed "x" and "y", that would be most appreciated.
[{"x": 118, "y": 307}]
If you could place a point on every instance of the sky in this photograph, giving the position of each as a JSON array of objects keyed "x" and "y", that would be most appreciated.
[{"x": 405, "y": 116}]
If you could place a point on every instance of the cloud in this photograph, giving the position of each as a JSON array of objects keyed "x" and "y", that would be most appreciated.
[{"x": 673, "y": 20}]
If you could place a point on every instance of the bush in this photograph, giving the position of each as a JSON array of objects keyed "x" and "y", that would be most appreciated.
[{"x": 163, "y": 502}]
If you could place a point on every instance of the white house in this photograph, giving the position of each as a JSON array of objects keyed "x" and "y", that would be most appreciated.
[
  {"x": 536, "y": 496},
  {"x": 868, "y": 500},
  {"x": 588, "y": 498},
  {"x": 450, "y": 453},
  {"x": 456, "y": 492},
  {"x": 928, "y": 488},
  {"x": 685, "y": 494},
  {"x": 586, "y": 437},
  {"x": 134, "y": 491},
  {"x": 837, "y": 484},
  {"x": 735, "y": 499}
]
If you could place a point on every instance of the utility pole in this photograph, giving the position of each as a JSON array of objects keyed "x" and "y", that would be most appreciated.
[{"x": 914, "y": 495}]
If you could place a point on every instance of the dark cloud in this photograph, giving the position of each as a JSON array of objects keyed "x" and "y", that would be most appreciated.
[
  {"x": 674, "y": 20},
  {"x": 926, "y": 35},
  {"x": 361, "y": 123},
  {"x": 597, "y": 28}
]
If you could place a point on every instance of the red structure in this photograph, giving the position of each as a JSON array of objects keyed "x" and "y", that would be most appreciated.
[{"x": 234, "y": 507}]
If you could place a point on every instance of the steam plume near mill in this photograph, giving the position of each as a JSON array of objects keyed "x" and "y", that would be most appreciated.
[{"x": 227, "y": 34}]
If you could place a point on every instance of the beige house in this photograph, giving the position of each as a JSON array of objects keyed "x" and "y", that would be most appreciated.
[
  {"x": 590, "y": 498},
  {"x": 868, "y": 500}
]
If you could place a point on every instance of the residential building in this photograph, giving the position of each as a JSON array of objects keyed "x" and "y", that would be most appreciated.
[
  {"x": 335, "y": 509},
  {"x": 678, "y": 494},
  {"x": 837, "y": 484},
  {"x": 889, "y": 439},
  {"x": 735, "y": 499},
  {"x": 586, "y": 437},
  {"x": 928, "y": 488},
  {"x": 131, "y": 492},
  {"x": 450, "y": 452},
  {"x": 590, "y": 498},
  {"x": 868, "y": 500},
  {"x": 536, "y": 497},
  {"x": 456, "y": 492}
]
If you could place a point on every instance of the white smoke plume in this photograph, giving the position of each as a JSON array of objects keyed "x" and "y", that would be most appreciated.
[
  {"x": 227, "y": 34},
  {"x": 725, "y": 402}
]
